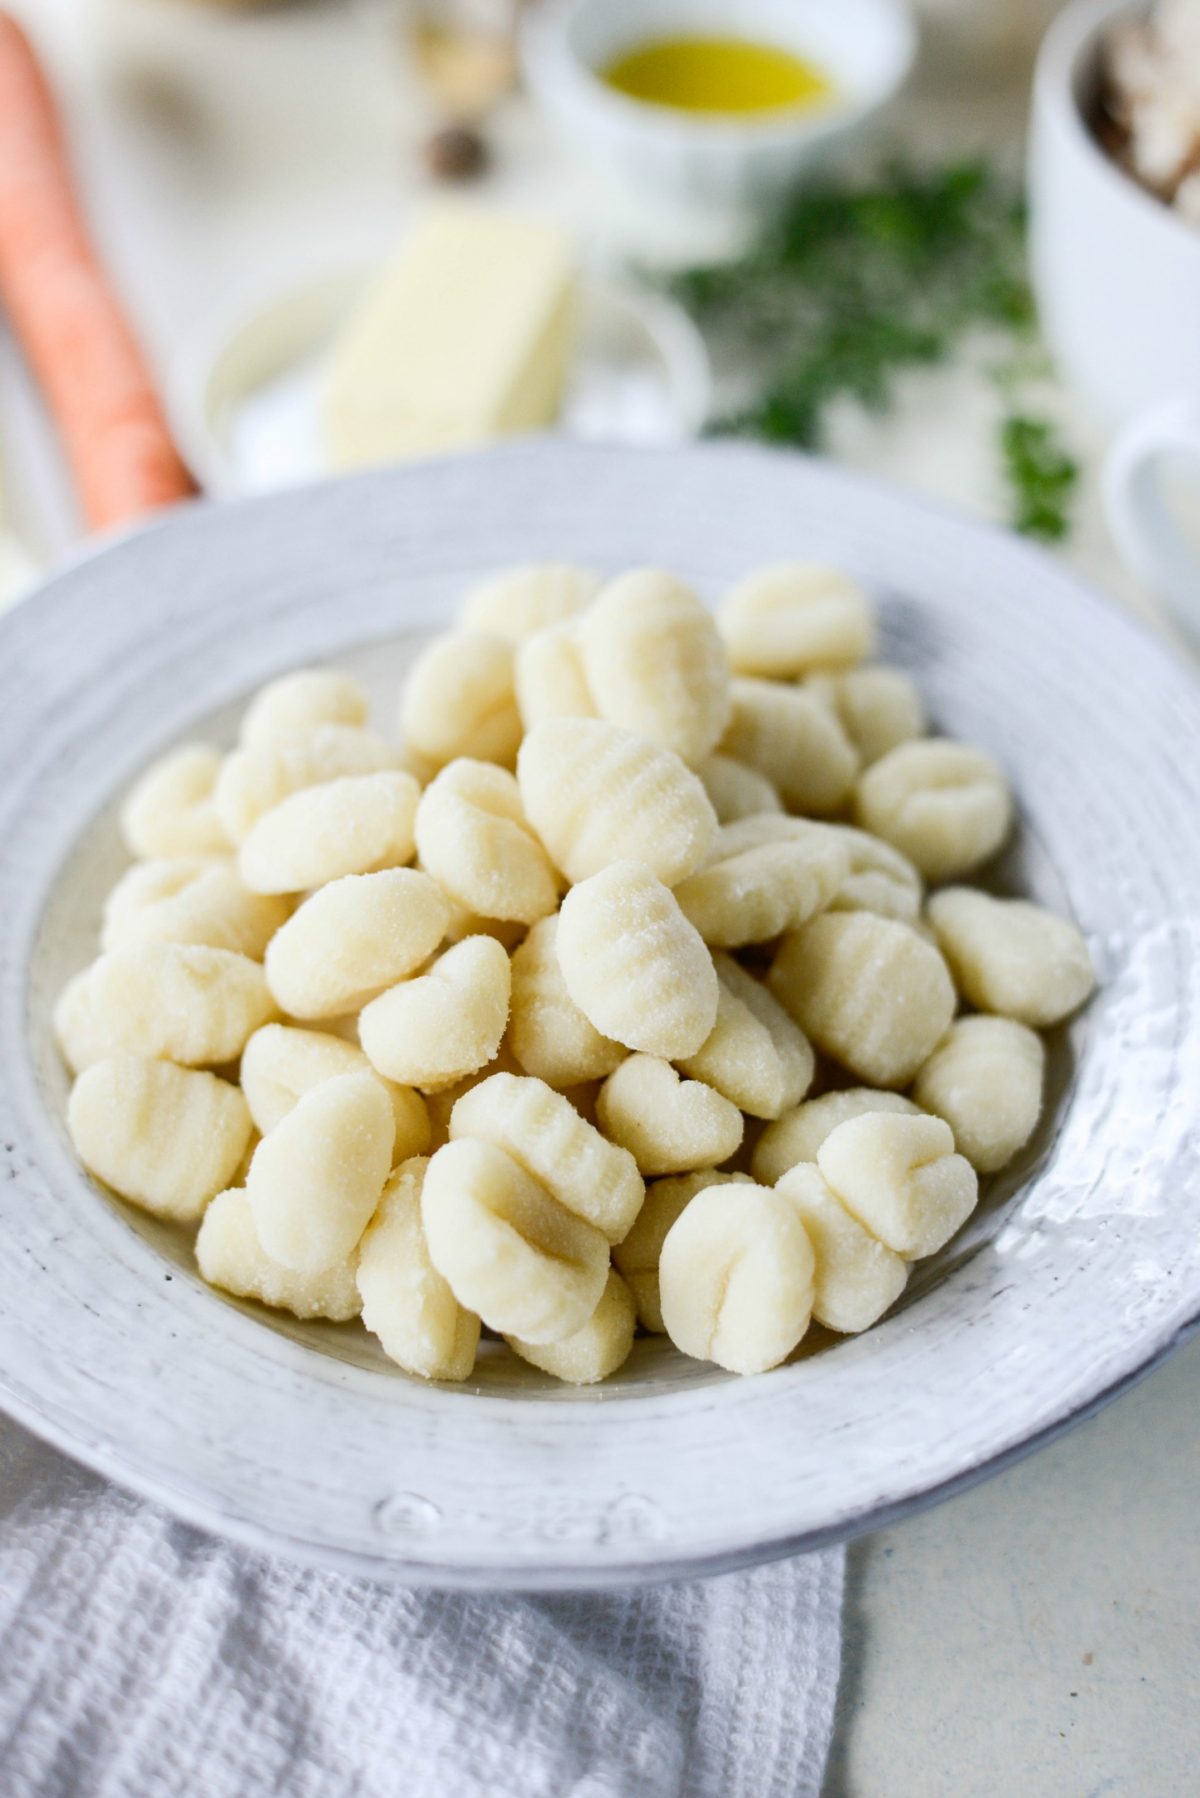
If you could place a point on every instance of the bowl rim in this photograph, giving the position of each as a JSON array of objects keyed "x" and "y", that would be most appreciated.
[
  {"x": 552, "y": 65},
  {"x": 1073, "y": 41}
]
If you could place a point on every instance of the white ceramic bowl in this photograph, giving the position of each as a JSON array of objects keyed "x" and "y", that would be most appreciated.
[
  {"x": 1117, "y": 278},
  {"x": 715, "y": 166},
  {"x": 1081, "y": 1267}
]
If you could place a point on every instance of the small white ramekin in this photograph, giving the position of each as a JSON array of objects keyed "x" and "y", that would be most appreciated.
[{"x": 714, "y": 166}]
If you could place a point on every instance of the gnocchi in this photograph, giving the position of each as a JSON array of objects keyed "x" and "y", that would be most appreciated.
[
  {"x": 354, "y": 938},
  {"x": 522, "y": 601},
  {"x": 596, "y": 794},
  {"x": 473, "y": 838},
  {"x": 637, "y": 1257},
  {"x": 634, "y": 965},
  {"x": 444, "y": 1024},
  {"x": 736, "y": 1278},
  {"x": 541, "y": 1130},
  {"x": 314, "y": 1181},
  {"x": 509, "y": 1252},
  {"x": 795, "y": 617},
  {"x": 356, "y": 825},
  {"x": 460, "y": 700},
  {"x": 856, "y": 1278},
  {"x": 596, "y": 1349},
  {"x": 901, "y": 1177},
  {"x": 1012, "y": 957},
  {"x": 789, "y": 736},
  {"x": 754, "y": 1055},
  {"x": 654, "y": 663},
  {"x": 405, "y": 1301},
  {"x": 164, "y": 1137},
  {"x": 191, "y": 900},
  {"x": 171, "y": 811},
  {"x": 870, "y": 992},
  {"x": 406, "y": 1027},
  {"x": 985, "y": 1079},
  {"x": 230, "y": 1256},
  {"x": 548, "y": 1033},
  {"x": 183, "y": 1002},
  {"x": 668, "y": 1124},
  {"x": 944, "y": 805},
  {"x": 296, "y": 704}
]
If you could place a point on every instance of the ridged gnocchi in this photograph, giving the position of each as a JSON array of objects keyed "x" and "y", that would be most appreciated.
[
  {"x": 281, "y": 1063},
  {"x": 637, "y": 1257},
  {"x": 901, "y": 1177},
  {"x": 795, "y": 741},
  {"x": 1012, "y": 957},
  {"x": 230, "y": 1256},
  {"x": 855, "y": 1276},
  {"x": 296, "y": 704},
  {"x": 755, "y": 1054},
  {"x": 985, "y": 1079},
  {"x": 548, "y": 1033},
  {"x": 171, "y": 810},
  {"x": 190, "y": 900},
  {"x": 460, "y": 700},
  {"x": 597, "y": 794},
  {"x": 798, "y": 1134},
  {"x": 445, "y": 1023},
  {"x": 669, "y": 1125},
  {"x": 654, "y": 662},
  {"x": 405, "y": 1301},
  {"x": 878, "y": 708},
  {"x": 596, "y": 1349},
  {"x": 944, "y": 805},
  {"x": 256, "y": 778},
  {"x": 634, "y": 965},
  {"x": 793, "y": 618},
  {"x": 753, "y": 895},
  {"x": 354, "y": 938},
  {"x": 736, "y": 791},
  {"x": 473, "y": 838},
  {"x": 521, "y": 601},
  {"x": 549, "y": 678},
  {"x": 183, "y": 1002},
  {"x": 870, "y": 992},
  {"x": 358, "y": 824}
]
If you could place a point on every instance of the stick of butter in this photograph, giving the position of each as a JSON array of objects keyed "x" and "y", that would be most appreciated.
[{"x": 467, "y": 336}]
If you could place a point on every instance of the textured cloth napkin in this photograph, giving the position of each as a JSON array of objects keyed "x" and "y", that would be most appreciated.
[{"x": 141, "y": 1659}]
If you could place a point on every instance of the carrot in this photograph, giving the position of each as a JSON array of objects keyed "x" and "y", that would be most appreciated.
[{"x": 70, "y": 323}]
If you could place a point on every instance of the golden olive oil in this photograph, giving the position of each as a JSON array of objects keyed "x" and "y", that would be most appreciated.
[{"x": 718, "y": 74}]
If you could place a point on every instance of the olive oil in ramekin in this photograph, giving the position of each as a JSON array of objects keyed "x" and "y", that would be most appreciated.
[{"x": 719, "y": 75}]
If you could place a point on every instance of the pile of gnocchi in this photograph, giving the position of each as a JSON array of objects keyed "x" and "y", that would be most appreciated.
[{"x": 514, "y": 1021}]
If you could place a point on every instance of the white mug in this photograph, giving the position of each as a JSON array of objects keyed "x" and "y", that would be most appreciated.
[{"x": 1117, "y": 278}]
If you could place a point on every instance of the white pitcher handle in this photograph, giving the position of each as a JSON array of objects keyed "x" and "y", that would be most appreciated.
[{"x": 1148, "y": 537}]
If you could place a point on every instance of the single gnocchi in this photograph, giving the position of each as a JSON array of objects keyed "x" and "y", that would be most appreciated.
[
  {"x": 444, "y": 1024},
  {"x": 637, "y": 1257},
  {"x": 164, "y": 1137},
  {"x": 190, "y": 900},
  {"x": 314, "y": 1181},
  {"x": 1012, "y": 957},
  {"x": 880, "y": 879},
  {"x": 736, "y": 1278},
  {"x": 596, "y": 1349},
  {"x": 353, "y": 939},
  {"x": 299, "y": 703},
  {"x": 171, "y": 810},
  {"x": 856, "y": 1278},
  {"x": 753, "y": 895},
  {"x": 541, "y": 1130},
  {"x": 509, "y": 1251},
  {"x": 405, "y": 1301},
  {"x": 736, "y": 791},
  {"x": 261, "y": 775},
  {"x": 524, "y": 600},
  {"x": 985, "y": 1079},
  {"x": 473, "y": 838},
  {"x": 634, "y": 965},
  {"x": 183, "y": 1002},
  {"x": 356, "y": 825},
  {"x": 869, "y": 992},
  {"x": 669, "y": 1125},
  {"x": 460, "y": 700},
  {"x": 755, "y": 1055},
  {"x": 548, "y": 1033},
  {"x": 230, "y": 1256},
  {"x": 878, "y": 708},
  {"x": 795, "y": 741},
  {"x": 944, "y": 805},
  {"x": 798, "y": 1134},
  {"x": 549, "y": 677},
  {"x": 902, "y": 1178},
  {"x": 654, "y": 663},
  {"x": 597, "y": 794},
  {"x": 796, "y": 617},
  {"x": 281, "y": 1063}
]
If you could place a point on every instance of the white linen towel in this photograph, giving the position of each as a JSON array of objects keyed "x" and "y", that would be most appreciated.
[{"x": 142, "y": 1659}]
